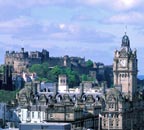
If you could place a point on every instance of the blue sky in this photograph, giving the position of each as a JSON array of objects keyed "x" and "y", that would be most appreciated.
[{"x": 87, "y": 28}]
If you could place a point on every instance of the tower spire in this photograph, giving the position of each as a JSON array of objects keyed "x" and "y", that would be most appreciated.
[
  {"x": 125, "y": 29},
  {"x": 125, "y": 40}
]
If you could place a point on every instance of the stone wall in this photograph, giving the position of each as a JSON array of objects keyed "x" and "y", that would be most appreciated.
[{"x": 22, "y": 60}]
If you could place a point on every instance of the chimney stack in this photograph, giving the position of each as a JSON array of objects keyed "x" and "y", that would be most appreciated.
[{"x": 81, "y": 88}]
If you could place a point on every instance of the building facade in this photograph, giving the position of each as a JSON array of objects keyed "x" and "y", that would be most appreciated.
[
  {"x": 125, "y": 68},
  {"x": 81, "y": 109},
  {"x": 22, "y": 60},
  {"x": 123, "y": 103}
]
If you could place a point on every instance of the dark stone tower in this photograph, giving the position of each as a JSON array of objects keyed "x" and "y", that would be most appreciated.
[
  {"x": 7, "y": 78},
  {"x": 45, "y": 55}
]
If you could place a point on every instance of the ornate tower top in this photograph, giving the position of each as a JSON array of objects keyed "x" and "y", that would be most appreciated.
[{"x": 125, "y": 41}]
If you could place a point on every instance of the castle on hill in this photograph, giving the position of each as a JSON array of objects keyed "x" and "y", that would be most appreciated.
[{"x": 22, "y": 60}]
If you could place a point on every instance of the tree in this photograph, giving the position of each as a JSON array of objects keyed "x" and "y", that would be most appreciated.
[
  {"x": 84, "y": 77},
  {"x": 54, "y": 73},
  {"x": 41, "y": 70},
  {"x": 73, "y": 77},
  {"x": 89, "y": 63},
  {"x": 51, "y": 75},
  {"x": 1, "y": 69}
]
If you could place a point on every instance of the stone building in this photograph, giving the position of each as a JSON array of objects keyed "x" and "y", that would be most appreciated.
[
  {"x": 125, "y": 68},
  {"x": 124, "y": 103},
  {"x": 23, "y": 59},
  {"x": 81, "y": 109},
  {"x": 6, "y": 82},
  {"x": 118, "y": 108},
  {"x": 62, "y": 83}
]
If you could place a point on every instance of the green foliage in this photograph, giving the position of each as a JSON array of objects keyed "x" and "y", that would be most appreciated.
[
  {"x": 1, "y": 69},
  {"x": 6, "y": 96},
  {"x": 40, "y": 69},
  {"x": 73, "y": 77},
  {"x": 54, "y": 73},
  {"x": 85, "y": 77},
  {"x": 51, "y": 75},
  {"x": 89, "y": 63}
]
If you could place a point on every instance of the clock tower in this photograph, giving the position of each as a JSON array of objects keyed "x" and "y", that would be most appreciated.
[{"x": 125, "y": 68}]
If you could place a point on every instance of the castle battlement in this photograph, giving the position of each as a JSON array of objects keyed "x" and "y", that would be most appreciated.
[{"x": 23, "y": 59}]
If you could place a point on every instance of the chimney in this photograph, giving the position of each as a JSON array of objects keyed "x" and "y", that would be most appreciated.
[
  {"x": 55, "y": 89},
  {"x": 62, "y": 83},
  {"x": 36, "y": 87},
  {"x": 81, "y": 88}
]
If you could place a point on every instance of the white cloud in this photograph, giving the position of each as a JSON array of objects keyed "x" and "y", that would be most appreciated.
[
  {"x": 125, "y": 4},
  {"x": 13, "y": 25},
  {"x": 32, "y": 3},
  {"x": 72, "y": 32},
  {"x": 27, "y": 28},
  {"x": 83, "y": 17},
  {"x": 115, "y": 4},
  {"x": 61, "y": 26},
  {"x": 126, "y": 18}
]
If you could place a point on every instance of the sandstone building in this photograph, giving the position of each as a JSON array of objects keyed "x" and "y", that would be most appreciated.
[
  {"x": 117, "y": 108},
  {"x": 124, "y": 103},
  {"x": 23, "y": 59}
]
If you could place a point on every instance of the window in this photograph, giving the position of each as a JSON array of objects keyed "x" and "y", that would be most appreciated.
[
  {"x": 32, "y": 114},
  {"x": 61, "y": 81},
  {"x": 28, "y": 114},
  {"x": 117, "y": 116},
  {"x": 111, "y": 105},
  {"x": 117, "y": 123},
  {"x": 67, "y": 115},
  {"x": 38, "y": 114},
  {"x": 111, "y": 123},
  {"x": 51, "y": 115},
  {"x": 123, "y": 75},
  {"x": 104, "y": 123}
]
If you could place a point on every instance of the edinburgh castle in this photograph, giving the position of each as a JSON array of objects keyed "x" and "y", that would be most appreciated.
[{"x": 22, "y": 60}]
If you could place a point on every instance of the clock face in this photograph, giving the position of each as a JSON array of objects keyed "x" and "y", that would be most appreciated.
[{"x": 123, "y": 62}]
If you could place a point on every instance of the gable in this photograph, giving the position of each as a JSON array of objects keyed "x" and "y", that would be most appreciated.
[{"x": 123, "y": 52}]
